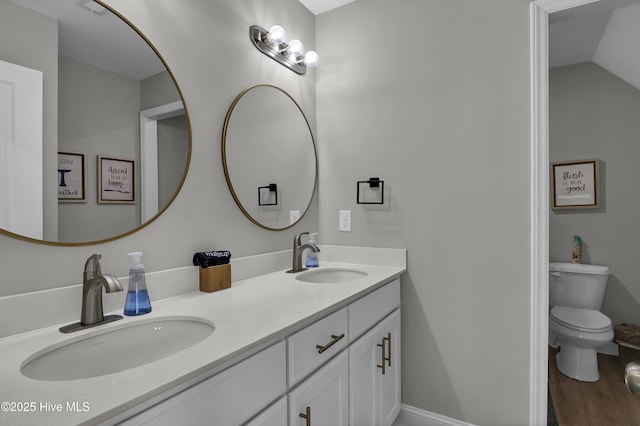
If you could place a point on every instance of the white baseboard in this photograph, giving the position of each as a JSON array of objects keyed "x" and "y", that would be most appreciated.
[{"x": 412, "y": 416}]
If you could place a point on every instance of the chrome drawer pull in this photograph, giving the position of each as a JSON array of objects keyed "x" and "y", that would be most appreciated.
[{"x": 335, "y": 338}]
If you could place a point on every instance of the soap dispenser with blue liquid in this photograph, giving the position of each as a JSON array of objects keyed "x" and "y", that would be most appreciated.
[
  {"x": 138, "y": 302},
  {"x": 312, "y": 257}
]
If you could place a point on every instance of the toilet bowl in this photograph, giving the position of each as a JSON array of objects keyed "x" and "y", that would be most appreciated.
[
  {"x": 578, "y": 333},
  {"x": 576, "y": 325}
]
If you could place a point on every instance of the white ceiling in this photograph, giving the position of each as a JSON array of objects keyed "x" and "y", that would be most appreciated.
[
  {"x": 105, "y": 41},
  {"x": 102, "y": 40},
  {"x": 606, "y": 32},
  {"x": 320, "y": 6}
]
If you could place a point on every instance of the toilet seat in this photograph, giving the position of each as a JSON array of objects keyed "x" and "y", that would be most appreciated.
[{"x": 585, "y": 320}]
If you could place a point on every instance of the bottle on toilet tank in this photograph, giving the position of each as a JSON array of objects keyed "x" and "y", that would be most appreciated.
[{"x": 576, "y": 249}]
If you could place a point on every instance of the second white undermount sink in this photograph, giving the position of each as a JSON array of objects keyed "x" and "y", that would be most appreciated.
[
  {"x": 331, "y": 275},
  {"x": 117, "y": 349}
]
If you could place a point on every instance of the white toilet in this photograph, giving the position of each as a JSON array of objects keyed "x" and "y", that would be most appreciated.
[{"x": 576, "y": 325}]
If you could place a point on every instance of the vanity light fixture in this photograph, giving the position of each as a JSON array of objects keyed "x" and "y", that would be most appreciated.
[{"x": 292, "y": 55}]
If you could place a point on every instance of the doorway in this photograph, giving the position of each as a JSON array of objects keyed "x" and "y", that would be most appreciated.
[{"x": 540, "y": 10}]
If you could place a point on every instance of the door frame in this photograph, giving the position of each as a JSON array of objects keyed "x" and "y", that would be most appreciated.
[
  {"x": 149, "y": 155},
  {"x": 539, "y": 279}
]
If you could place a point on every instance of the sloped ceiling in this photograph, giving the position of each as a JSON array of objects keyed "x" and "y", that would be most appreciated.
[
  {"x": 320, "y": 6},
  {"x": 606, "y": 32},
  {"x": 102, "y": 40}
]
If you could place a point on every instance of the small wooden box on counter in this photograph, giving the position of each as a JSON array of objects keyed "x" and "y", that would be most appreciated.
[{"x": 215, "y": 278}]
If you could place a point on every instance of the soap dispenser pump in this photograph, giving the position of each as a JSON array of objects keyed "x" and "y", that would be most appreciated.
[
  {"x": 312, "y": 257},
  {"x": 138, "y": 302}
]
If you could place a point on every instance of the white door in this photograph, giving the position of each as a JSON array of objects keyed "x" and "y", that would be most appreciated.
[
  {"x": 364, "y": 358},
  {"x": 374, "y": 374},
  {"x": 21, "y": 193},
  {"x": 322, "y": 399},
  {"x": 389, "y": 404}
]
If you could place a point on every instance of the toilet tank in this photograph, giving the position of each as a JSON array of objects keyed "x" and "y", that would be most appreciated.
[{"x": 577, "y": 285}]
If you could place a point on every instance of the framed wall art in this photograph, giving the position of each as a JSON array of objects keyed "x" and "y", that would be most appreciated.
[
  {"x": 116, "y": 180},
  {"x": 72, "y": 180},
  {"x": 575, "y": 184}
]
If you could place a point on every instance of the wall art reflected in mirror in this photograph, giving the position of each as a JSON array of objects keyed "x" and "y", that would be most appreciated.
[
  {"x": 269, "y": 157},
  {"x": 86, "y": 85}
]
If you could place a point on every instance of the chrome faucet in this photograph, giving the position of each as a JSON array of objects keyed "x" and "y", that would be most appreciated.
[
  {"x": 298, "y": 248},
  {"x": 93, "y": 282}
]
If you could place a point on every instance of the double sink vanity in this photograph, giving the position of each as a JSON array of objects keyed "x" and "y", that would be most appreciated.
[{"x": 317, "y": 347}]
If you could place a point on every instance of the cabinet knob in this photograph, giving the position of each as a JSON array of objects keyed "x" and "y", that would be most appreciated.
[
  {"x": 307, "y": 416},
  {"x": 334, "y": 340}
]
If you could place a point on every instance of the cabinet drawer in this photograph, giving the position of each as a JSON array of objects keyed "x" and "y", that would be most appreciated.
[
  {"x": 314, "y": 345},
  {"x": 366, "y": 312},
  {"x": 228, "y": 398}
]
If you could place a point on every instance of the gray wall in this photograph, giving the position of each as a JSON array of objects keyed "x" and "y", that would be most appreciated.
[
  {"x": 173, "y": 153},
  {"x": 433, "y": 97},
  {"x": 98, "y": 114},
  {"x": 594, "y": 114}
]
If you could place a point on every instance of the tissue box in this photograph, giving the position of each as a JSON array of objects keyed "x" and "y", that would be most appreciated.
[{"x": 215, "y": 278}]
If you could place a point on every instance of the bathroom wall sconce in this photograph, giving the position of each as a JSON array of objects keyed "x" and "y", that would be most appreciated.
[
  {"x": 266, "y": 192},
  {"x": 375, "y": 185},
  {"x": 272, "y": 43}
]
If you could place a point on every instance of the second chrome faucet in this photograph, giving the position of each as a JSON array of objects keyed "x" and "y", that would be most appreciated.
[{"x": 298, "y": 248}]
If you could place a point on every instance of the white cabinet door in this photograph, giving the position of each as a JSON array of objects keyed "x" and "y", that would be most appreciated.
[
  {"x": 275, "y": 415},
  {"x": 374, "y": 374},
  {"x": 389, "y": 382},
  {"x": 322, "y": 399},
  {"x": 364, "y": 356}
]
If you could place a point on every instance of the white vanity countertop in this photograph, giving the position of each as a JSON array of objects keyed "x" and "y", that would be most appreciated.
[{"x": 249, "y": 316}]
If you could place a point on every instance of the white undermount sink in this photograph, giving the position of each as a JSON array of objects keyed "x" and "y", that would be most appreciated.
[
  {"x": 117, "y": 349},
  {"x": 331, "y": 275}
]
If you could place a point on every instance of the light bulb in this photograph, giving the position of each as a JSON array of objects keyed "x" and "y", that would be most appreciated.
[
  {"x": 311, "y": 59},
  {"x": 296, "y": 48},
  {"x": 277, "y": 34}
]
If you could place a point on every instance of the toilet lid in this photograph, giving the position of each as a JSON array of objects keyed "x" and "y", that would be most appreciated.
[{"x": 581, "y": 319}]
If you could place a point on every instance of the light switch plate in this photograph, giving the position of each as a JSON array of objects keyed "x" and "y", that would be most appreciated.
[
  {"x": 294, "y": 216},
  {"x": 345, "y": 221}
]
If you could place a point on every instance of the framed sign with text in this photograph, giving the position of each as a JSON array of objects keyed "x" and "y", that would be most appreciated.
[
  {"x": 71, "y": 178},
  {"x": 575, "y": 184},
  {"x": 116, "y": 180}
]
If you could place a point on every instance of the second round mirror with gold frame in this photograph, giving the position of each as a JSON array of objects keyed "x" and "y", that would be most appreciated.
[{"x": 269, "y": 157}]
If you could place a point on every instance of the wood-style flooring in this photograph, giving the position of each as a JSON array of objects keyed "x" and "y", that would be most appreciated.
[{"x": 606, "y": 402}]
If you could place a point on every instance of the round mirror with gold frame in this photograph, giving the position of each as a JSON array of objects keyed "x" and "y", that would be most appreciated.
[
  {"x": 269, "y": 157},
  {"x": 112, "y": 143}
]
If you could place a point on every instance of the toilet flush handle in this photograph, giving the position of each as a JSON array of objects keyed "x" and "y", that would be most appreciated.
[{"x": 555, "y": 274}]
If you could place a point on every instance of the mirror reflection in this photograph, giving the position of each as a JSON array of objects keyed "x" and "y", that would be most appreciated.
[
  {"x": 98, "y": 139},
  {"x": 269, "y": 157}
]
